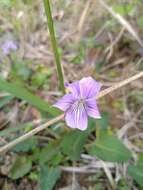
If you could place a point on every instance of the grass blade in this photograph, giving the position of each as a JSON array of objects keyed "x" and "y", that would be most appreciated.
[{"x": 24, "y": 94}]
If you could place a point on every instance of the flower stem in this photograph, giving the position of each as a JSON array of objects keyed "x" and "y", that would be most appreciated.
[{"x": 54, "y": 44}]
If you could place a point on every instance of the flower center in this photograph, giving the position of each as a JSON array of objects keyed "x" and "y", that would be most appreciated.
[
  {"x": 81, "y": 103},
  {"x": 78, "y": 105}
]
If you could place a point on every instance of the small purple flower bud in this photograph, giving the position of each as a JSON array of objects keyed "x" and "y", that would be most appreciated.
[{"x": 7, "y": 46}]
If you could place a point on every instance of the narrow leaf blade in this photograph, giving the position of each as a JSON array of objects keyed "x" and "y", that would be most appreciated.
[
  {"x": 48, "y": 177},
  {"x": 136, "y": 173},
  {"x": 109, "y": 148},
  {"x": 24, "y": 94},
  {"x": 21, "y": 167}
]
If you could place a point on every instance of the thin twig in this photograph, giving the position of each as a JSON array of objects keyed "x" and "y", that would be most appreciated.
[
  {"x": 138, "y": 135},
  {"x": 4, "y": 94},
  {"x": 114, "y": 64},
  {"x": 83, "y": 169},
  {"x": 120, "y": 84},
  {"x": 110, "y": 48},
  {"x": 128, "y": 125},
  {"x": 30, "y": 134},
  {"x": 55, "y": 120},
  {"x": 89, "y": 168},
  {"x": 108, "y": 174}
]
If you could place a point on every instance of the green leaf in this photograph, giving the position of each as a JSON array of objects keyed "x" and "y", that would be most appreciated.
[
  {"x": 123, "y": 185},
  {"x": 104, "y": 121},
  {"x": 123, "y": 9},
  {"x": 24, "y": 94},
  {"x": 140, "y": 161},
  {"x": 140, "y": 21},
  {"x": 137, "y": 96},
  {"x": 5, "y": 100},
  {"x": 136, "y": 173},
  {"x": 48, "y": 177},
  {"x": 24, "y": 73},
  {"x": 38, "y": 79},
  {"x": 109, "y": 148},
  {"x": 33, "y": 176},
  {"x": 5, "y": 3},
  {"x": 49, "y": 152},
  {"x": 20, "y": 127},
  {"x": 57, "y": 159},
  {"x": 21, "y": 167},
  {"x": 73, "y": 143},
  {"x": 26, "y": 145}
]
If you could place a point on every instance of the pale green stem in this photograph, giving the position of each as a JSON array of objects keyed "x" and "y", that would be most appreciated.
[{"x": 54, "y": 44}]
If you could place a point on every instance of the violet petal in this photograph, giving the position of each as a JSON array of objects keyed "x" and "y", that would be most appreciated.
[
  {"x": 89, "y": 87},
  {"x": 77, "y": 118},
  {"x": 65, "y": 102},
  {"x": 92, "y": 109},
  {"x": 8, "y": 46},
  {"x": 74, "y": 88}
]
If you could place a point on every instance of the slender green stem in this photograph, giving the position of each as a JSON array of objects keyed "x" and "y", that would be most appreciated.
[{"x": 54, "y": 43}]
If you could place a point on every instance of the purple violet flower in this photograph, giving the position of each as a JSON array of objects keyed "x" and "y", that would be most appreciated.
[
  {"x": 80, "y": 102},
  {"x": 8, "y": 46}
]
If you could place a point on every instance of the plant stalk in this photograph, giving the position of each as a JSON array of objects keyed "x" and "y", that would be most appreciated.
[{"x": 54, "y": 44}]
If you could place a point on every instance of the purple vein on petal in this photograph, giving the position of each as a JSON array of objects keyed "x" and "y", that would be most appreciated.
[{"x": 76, "y": 117}]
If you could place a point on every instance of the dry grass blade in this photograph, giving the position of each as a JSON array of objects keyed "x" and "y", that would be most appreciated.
[
  {"x": 120, "y": 84},
  {"x": 110, "y": 48},
  {"x": 108, "y": 173},
  {"x": 130, "y": 124},
  {"x": 123, "y": 22},
  {"x": 82, "y": 19},
  {"x": 55, "y": 120}
]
